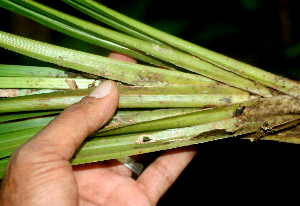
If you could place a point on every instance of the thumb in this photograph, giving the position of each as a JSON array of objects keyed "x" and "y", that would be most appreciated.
[{"x": 67, "y": 131}]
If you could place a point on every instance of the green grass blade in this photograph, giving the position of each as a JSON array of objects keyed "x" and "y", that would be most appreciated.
[
  {"x": 130, "y": 97},
  {"x": 101, "y": 66},
  {"x": 274, "y": 81},
  {"x": 173, "y": 56},
  {"x": 10, "y": 141},
  {"x": 26, "y": 124},
  {"x": 3, "y": 163},
  {"x": 24, "y": 92},
  {"x": 74, "y": 27},
  {"x": 265, "y": 108},
  {"x": 91, "y": 10},
  {"x": 19, "y": 116},
  {"x": 116, "y": 20},
  {"x": 193, "y": 64},
  {"x": 125, "y": 145},
  {"x": 45, "y": 83},
  {"x": 134, "y": 118},
  {"x": 187, "y": 119},
  {"x": 14, "y": 134},
  {"x": 51, "y": 101},
  {"x": 30, "y": 71},
  {"x": 178, "y": 96}
]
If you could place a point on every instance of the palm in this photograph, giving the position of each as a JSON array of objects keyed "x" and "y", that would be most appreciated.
[
  {"x": 115, "y": 187},
  {"x": 110, "y": 183}
]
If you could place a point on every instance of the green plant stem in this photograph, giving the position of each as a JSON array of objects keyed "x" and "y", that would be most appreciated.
[
  {"x": 129, "y": 118},
  {"x": 31, "y": 71},
  {"x": 24, "y": 92},
  {"x": 65, "y": 23},
  {"x": 132, "y": 97},
  {"x": 3, "y": 163},
  {"x": 164, "y": 53},
  {"x": 126, "y": 72},
  {"x": 13, "y": 134},
  {"x": 10, "y": 141},
  {"x": 98, "y": 14},
  {"x": 18, "y": 116},
  {"x": 187, "y": 119},
  {"x": 125, "y": 145},
  {"x": 274, "y": 81},
  {"x": 26, "y": 124},
  {"x": 46, "y": 83}
]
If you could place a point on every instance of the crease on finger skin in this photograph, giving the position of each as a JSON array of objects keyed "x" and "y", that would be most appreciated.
[
  {"x": 83, "y": 202},
  {"x": 163, "y": 172}
]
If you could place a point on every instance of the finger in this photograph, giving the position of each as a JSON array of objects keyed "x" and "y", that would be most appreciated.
[
  {"x": 163, "y": 172},
  {"x": 122, "y": 57},
  {"x": 67, "y": 131}
]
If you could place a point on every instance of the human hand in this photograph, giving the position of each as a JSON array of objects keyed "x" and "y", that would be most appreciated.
[{"x": 39, "y": 172}]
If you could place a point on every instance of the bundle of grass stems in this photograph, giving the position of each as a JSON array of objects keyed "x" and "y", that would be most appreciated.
[{"x": 179, "y": 94}]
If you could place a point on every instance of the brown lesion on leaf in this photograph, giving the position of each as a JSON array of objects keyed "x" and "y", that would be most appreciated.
[
  {"x": 150, "y": 77},
  {"x": 210, "y": 133},
  {"x": 227, "y": 100},
  {"x": 72, "y": 84},
  {"x": 145, "y": 139},
  {"x": 160, "y": 49},
  {"x": 9, "y": 92},
  {"x": 117, "y": 124}
]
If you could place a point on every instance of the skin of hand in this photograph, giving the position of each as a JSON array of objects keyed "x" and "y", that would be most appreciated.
[{"x": 39, "y": 172}]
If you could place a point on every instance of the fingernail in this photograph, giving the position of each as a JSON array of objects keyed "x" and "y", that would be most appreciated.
[{"x": 102, "y": 90}]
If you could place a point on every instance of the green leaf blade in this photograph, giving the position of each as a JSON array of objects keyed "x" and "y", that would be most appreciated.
[
  {"x": 30, "y": 71},
  {"x": 46, "y": 83},
  {"x": 274, "y": 81},
  {"x": 19, "y": 116},
  {"x": 74, "y": 27},
  {"x": 26, "y": 124},
  {"x": 97, "y": 65},
  {"x": 130, "y": 97},
  {"x": 10, "y": 141}
]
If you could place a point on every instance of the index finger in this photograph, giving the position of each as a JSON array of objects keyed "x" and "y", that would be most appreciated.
[{"x": 162, "y": 173}]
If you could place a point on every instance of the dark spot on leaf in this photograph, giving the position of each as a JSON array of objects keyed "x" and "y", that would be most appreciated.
[
  {"x": 146, "y": 139},
  {"x": 239, "y": 111},
  {"x": 227, "y": 100}
]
